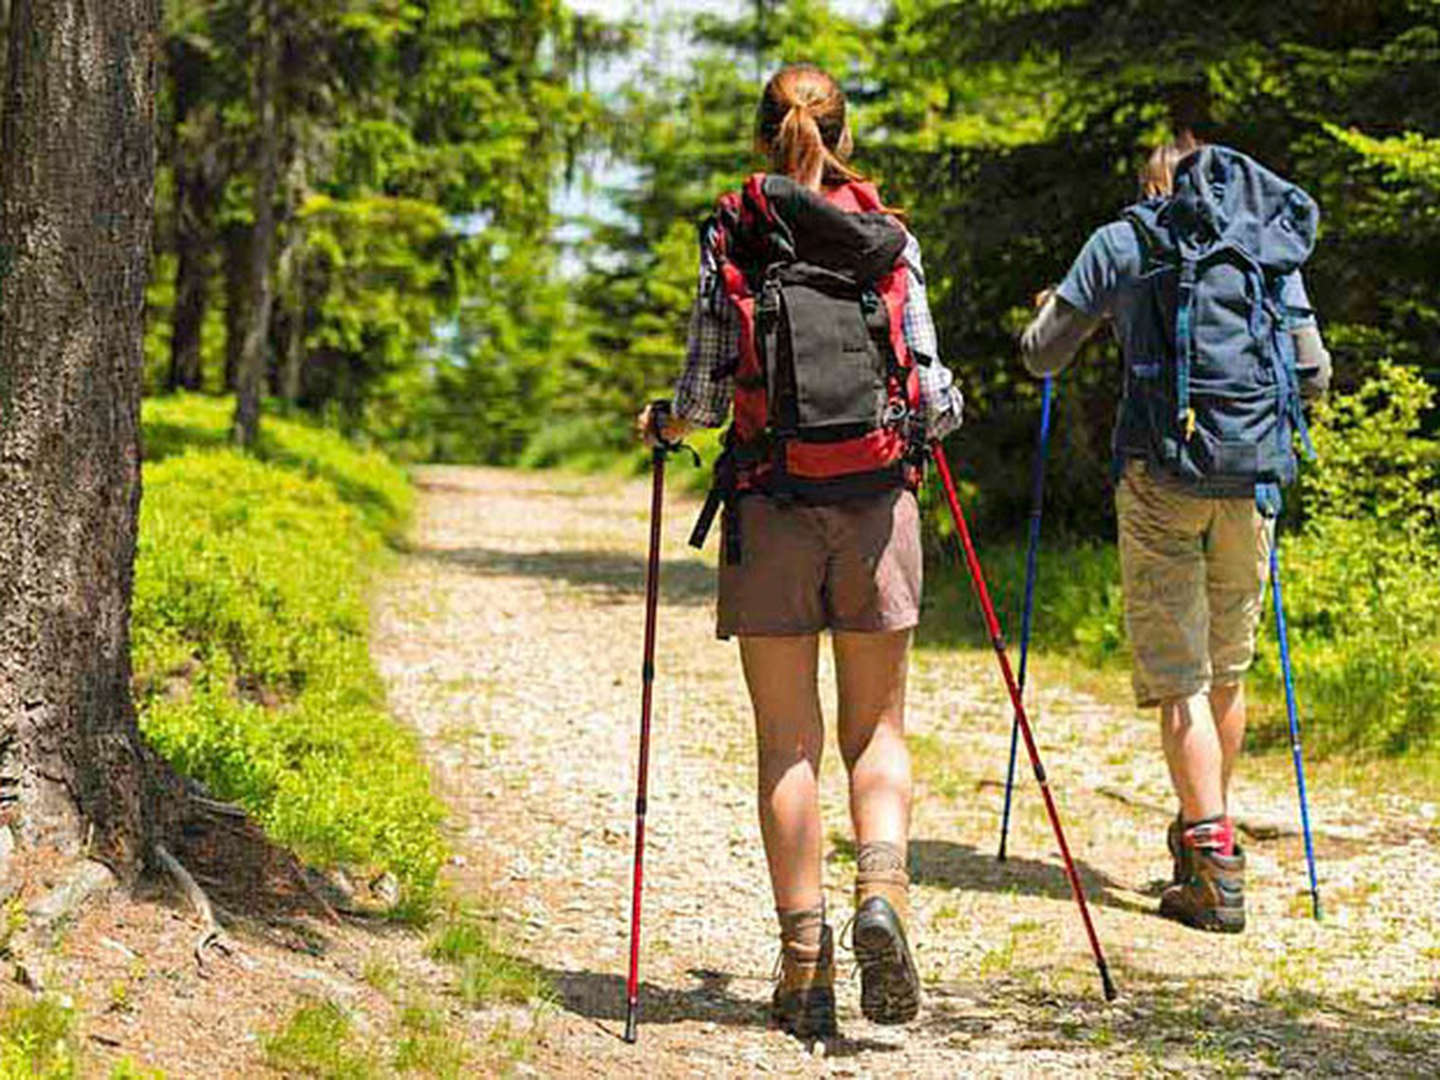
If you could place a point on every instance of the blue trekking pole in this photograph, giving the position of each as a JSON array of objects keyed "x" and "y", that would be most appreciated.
[
  {"x": 1037, "y": 499},
  {"x": 1292, "y": 709}
]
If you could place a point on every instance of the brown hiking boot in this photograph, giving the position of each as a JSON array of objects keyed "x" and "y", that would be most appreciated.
[
  {"x": 889, "y": 983},
  {"x": 803, "y": 1004},
  {"x": 1212, "y": 897}
]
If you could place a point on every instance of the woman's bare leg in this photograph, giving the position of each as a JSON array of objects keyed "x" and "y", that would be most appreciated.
[
  {"x": 781, "y": 673},
  {"x": 871, "y": 670}
]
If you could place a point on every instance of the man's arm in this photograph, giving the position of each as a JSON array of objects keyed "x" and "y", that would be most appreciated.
[{"x": 1055, "y": 335}]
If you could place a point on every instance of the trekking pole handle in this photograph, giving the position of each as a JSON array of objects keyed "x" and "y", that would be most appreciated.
[{"x": 660, "y": 413}]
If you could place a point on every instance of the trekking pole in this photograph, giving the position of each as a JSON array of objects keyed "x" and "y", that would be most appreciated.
[
  {"x": 992, "y": 624},
  {"x": 659, "y": 410},
  {"x": 1292, "y": 709},
  {"x": 1037, "y": 502}
]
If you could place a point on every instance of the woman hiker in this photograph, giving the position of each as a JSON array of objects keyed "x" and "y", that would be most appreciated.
[
  {"x": 811, "y": 321},
  {"x": 1200, "y": 278}
]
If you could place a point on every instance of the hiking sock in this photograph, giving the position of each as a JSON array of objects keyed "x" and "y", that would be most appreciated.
[
  {"x": 1215, "y": 834},
  {"x": 880, "y": 871},
  {"x": 802, "y": 927}
]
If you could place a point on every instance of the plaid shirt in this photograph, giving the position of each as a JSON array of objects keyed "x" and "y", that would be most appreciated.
[{"x": 703, "y": 393}]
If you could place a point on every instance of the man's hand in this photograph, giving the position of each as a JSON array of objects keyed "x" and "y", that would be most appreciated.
[{"x": 672, "y": 430}]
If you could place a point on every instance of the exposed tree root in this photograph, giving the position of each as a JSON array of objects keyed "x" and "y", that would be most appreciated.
[
  {"x": 211, "y": 935},
  {"x": 219, "y": 843}
]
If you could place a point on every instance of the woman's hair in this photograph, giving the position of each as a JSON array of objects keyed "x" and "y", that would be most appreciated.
[
  {"x": 801, "y": 126},
  {"x": 1157, "y": 177}
]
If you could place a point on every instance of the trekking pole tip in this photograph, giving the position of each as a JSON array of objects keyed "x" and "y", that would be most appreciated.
[
  {"x": 1110, "y": 992},
  {"x": 632, "y": 1032},
  {"x": 1315, "y": 903}
]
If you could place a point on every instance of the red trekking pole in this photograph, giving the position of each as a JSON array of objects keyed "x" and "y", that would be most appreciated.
[
  {"x": 992, "y": 624},
  {"x": 658, "y": 412}
]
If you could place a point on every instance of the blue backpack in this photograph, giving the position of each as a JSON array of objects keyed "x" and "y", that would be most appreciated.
[{"x": 1211, "y": 391}]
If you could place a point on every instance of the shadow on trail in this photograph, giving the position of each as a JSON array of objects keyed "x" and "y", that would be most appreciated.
[
  {"x": 619, "y": 574},
  {"x": 964, "y": 867},
  {"x": 600, "y": 996},
  {"x": 1167, "y": 1018},
  {"x": 1163, "y": 1019}
]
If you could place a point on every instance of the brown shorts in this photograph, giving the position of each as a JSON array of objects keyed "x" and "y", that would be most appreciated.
[
  {"x": 853, "y": 566},
  {"x": 1195, "y": 570}
]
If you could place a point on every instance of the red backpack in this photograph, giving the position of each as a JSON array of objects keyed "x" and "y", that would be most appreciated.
[{"x": 827, "y": 399}]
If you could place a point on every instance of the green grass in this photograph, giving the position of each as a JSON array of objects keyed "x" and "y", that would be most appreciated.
[
  {"x": 38, "y": 1040},
  {"x": 319, "y": 1041},
  {"x": 250, "y": 631},
  {"x": 487, "y": 974},
  {"x": 426, "y": 1047}
]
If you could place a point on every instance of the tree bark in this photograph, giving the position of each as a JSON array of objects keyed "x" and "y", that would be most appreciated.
[
  {"x": 195, "y": 174},
  {"x": 250, "y": 379},
  {"x": 76, "y": 210}
]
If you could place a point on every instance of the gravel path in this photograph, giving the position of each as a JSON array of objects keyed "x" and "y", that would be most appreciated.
[{"x": 510, "y": 637}]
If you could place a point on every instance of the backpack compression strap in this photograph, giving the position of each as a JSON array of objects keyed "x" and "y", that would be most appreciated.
[{"x": 1185, "y": 344}]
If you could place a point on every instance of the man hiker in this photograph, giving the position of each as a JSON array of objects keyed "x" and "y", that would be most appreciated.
[{"x": 1201, "y": 283}]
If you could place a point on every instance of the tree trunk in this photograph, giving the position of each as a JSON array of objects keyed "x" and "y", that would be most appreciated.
[
  {"x": 250, "y": 379},
  {"x": 192, "y": 272},
  {"x": 76, "y": 209},
  {"x": 237, "y": 283}
]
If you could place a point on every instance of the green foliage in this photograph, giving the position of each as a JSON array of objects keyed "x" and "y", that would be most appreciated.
[
  {"x": 1079, "y": 608},
  {"x": 1363, "y": 579},
  {"x": 1361, "y": 583},
  {"x": 366, "y": 480},
  {"x": 250, "y": 633},
  {"x": 419, "y": 144},
  {"x": 37, "y": 1039}
]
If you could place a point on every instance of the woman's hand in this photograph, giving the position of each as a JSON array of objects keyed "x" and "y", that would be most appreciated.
[
  {"x": 1043, "y": 296},
  {"x": 672, "y": 429}
]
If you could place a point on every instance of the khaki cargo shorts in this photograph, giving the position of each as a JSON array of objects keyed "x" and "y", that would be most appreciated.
[
  {"x": 1195, "y": 571},
  {"x": 854, "y": 566}
]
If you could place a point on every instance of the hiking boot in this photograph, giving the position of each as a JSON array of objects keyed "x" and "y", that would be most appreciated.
[
  {"x": 889, "y": 983},
  {"x": 803, "y": 1004},
  {"x": 1212, "y": 896},
  {"x": 1179, "y": 853}
]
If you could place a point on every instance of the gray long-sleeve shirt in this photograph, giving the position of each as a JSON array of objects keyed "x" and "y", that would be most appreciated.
[{"x": 1055, "y": 335}]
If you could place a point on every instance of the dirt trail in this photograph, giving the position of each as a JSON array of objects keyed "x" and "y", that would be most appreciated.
[{"x": 510, "y": 637}]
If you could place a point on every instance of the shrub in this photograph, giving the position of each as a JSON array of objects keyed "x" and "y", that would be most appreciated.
[
  {"x": 365, "y": 479},
  {"x": 250, "y": 633},
  {"x": 1363, "y": 577}
]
